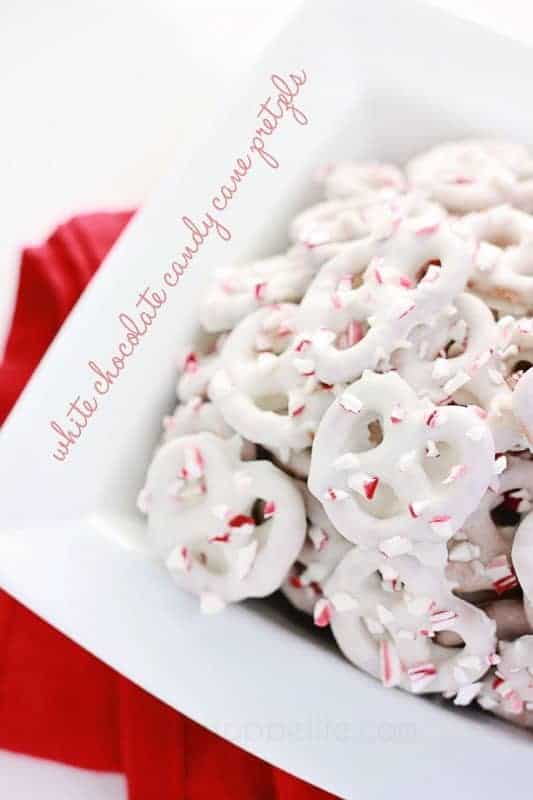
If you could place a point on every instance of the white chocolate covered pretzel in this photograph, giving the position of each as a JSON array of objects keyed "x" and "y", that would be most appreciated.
[
  {"x": 474, "y": 175},
  {"x": 479, "y": 554},
  {"x": 503, "y": 264},
  {"x": 458, "y": 357},
  {"x": 266, "y": 390},
  {"x": 367, "y": 299},
  {"x": 392, "y": 471},
  {"x": 240, "y": 290},
  {"x": 323, "y": 548},
  {"x": 364, "y": 180},
  {"x": 226, "y": 529},
  {"x": 385, "y": 615},
  {"x": 344, "y": 220}
]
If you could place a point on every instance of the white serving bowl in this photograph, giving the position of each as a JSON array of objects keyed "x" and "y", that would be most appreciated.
[{"x": 384, "y": 80}]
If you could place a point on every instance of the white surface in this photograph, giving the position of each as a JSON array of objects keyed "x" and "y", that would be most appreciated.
[
  {"x": 83, "y": 128},
  {"x": 24, "y": 778}
]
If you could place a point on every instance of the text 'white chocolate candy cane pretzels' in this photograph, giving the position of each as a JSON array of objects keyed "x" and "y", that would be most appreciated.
[
  {"x": 392, "y": 471},
  {"x": 365, "y": 180},
  {"x": 344, "y": 220},
  {"x": 240, "y": 290},
  {"x": 508, "y": 690},
  {"x": 474, "y": 175},
  {"x": 386, "y": 613},
  {"x": 323, "y": 549},
  {"x": 479, "y": 553},
  {"x": 368, "y": 298},
  {"x": 458, "y": 357},
  {"x": 503, "y": 264},
  {"x": 266, "y": 390},
  {"x": 226, "y": 529}
]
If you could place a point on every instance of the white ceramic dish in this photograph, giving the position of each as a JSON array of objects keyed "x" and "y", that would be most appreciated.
[{"x": 384, "y": 79}]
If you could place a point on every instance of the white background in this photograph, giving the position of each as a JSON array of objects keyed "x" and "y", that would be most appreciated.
[{"x": 86, "y": 124}]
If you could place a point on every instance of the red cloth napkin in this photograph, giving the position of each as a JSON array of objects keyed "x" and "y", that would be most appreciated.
[{"x": 56, "y": 700}]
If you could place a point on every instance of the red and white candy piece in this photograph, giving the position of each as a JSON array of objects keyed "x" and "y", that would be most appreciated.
[{"x": 226, "y": 529}]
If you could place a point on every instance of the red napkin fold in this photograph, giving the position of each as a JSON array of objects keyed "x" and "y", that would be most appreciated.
[{"x": 56, "y": 700}]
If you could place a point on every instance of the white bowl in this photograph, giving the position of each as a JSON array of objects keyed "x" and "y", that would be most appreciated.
[{"x": 384, "y": 80}]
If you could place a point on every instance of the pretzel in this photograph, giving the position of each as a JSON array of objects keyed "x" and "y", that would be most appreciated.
[
  {"x": 364, "y": 180},
  {"x": 371, "y": 296},
  {"x": 479, "y": 553},
  {"x": 323, "y": 549},
  {"x": 385, "y": 613},
  {"x": 502, "y": 272},
  {"x": 265, "y": 389},
  {"x": 343, "y": 220},
  {"x": 240, "y": 290},
  {"x": 508, "y": 689},
  {"x": 385, "y": 463},
  {"x": 474, "y": 175},
  {"x": 458, "y": 357},
  {"x": 225, "y": 529}
]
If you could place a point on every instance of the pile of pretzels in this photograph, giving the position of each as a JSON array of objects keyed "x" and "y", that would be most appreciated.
[{"x": 355, "y": 426}]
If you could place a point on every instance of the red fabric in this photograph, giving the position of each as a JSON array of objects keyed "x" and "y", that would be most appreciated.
[{"x": 56, "y": 700}]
